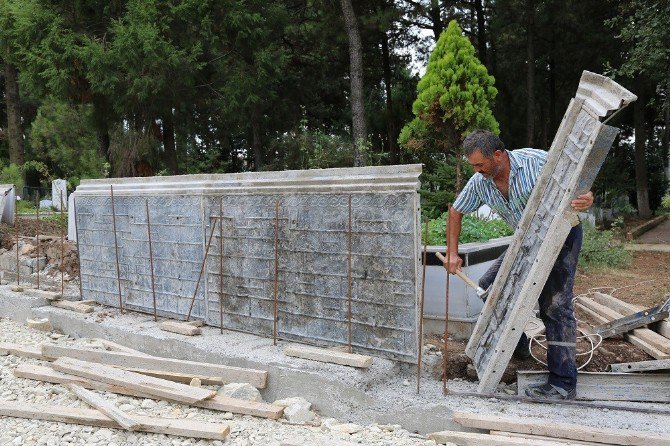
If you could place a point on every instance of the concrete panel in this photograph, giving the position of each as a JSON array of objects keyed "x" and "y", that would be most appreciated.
[{"x": 313, "y": 249}]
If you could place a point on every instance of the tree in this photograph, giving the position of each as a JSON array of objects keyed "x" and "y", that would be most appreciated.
[{"x": 454, "y": 97}]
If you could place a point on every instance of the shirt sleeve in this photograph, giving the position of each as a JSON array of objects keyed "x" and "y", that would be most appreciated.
[{"x": 468, "y": 200}]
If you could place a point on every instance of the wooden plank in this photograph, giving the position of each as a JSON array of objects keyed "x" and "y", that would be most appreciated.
[
  {"x": 641, "y": 366},
  {"x": 48, "y": 295},
  {"x": 550, "y": 428},
  {"x": 113, "y": 346},
  {"x": 218, "y": 402},
  {"x": 23, "y": 351},
  {"x": 183, "y": 328},
  {"x": 153, "y": 386},
  {"x": 104, "y": 406},
  {"x": 181, "y": 377},
  {"x": 90, "y": 417},
  {"x": 327, "y": 355},
  {"x": 72, "y": 306},
  {"x": 644, "y": 334},
  {"x": 605, "y": 386},
  {"x": 257, "y": 378},
  {"x": 472, "y": 439},
  {"x": 662, "y": 327},
  {"x": 542, "y": 437}
]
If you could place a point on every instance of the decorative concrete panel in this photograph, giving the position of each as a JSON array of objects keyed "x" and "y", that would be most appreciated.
[{"x": 310, "y": 212}]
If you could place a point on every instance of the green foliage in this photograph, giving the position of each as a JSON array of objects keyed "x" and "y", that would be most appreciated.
[
  {"x": 665, "y": 203},
  {"x": 601, "y": 249},
  {"x": 26, "y": 207},
  {"x": 473, "y": 229},
  {"x": 62, "y": 136},
  {"x": 12, "y": 174}
]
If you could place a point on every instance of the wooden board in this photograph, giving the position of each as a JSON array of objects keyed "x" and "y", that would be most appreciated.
[
  {"x": 218, "y": 402},
  {"x": 104, "y": 406},
  {"x": 641, "y": 366},
  {"x": 90, "y": 417},
  {"x": 183, "y": 328},
  {"x": 257, "y": 378},
  {"x": 471, "y": 439},
  {"x": 181, "y": 377},
  {"x": 148, "y": 384},
  {"x": 23, "y": 351},
  {"x": 662, "y": 327},
  {"x": 113, "y": 346},
  {"x": 549, "y": 428},
  {"x": 604, "y": 386},
  {"x": 542, "y": 437},
  {"x": 328, "y": 355},
  {"x": 72, "y": 306},
  {"x": 48, "y": 295}
]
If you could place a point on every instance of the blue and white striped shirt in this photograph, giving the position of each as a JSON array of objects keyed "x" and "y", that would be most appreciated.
[{"x": 525, "y": 168}]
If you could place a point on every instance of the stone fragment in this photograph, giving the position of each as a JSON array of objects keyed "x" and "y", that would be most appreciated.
[
  {"x": 242, "y": 391},
  {"x": 297, "y": 409},
  {"x": 40, "y": 324},
  {"x": 346, "y": 428},
  {"x": 17, "y": 289},
  {"x": 196, "y": 382}
]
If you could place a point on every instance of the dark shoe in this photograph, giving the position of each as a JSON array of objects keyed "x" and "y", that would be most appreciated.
[
  {"x": 550, "y": 392},
  {"x": 522, "y": 350}
]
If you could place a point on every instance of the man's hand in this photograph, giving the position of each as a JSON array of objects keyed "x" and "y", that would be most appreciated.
[
  {"x": 454, "y": 264},
  {"x": 582, "y": 202}
]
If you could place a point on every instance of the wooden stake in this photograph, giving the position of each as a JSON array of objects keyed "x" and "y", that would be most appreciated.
[
  {"x": 116, "y": 248},
  {"x": 423, "y": 290},
  {"x": 151, "y": 260}
]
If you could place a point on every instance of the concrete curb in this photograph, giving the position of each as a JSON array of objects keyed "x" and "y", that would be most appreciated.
[{"x": 644, "y": 227}]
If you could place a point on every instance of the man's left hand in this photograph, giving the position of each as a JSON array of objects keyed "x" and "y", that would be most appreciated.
[{"x": 582, "y": 202}]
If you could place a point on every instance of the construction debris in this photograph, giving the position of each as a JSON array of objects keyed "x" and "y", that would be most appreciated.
[
  {"x": 328, "y": 355},
  {"x": 242, "y": 391},
  {"x": 641, "y": 366},
  {"x": 95, "y": 401},
  {"x": 296, "y": 410},
  {"x": 183, "y": 328},
  {"x": 632, "y": 321},
  {"x": 40, "y": 324},
  {"x": 73, "y": 306}
]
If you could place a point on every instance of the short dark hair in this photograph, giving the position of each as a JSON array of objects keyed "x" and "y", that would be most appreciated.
[{"x": 484, "y": 141}]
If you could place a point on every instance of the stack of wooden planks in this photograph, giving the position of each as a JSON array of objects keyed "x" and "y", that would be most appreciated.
[
  {"x": 129, "y": 372},
  {"x": 508, "y": 431}
]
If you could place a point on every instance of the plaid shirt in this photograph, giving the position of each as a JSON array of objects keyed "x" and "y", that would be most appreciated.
[{"x": 525, "y": 168}]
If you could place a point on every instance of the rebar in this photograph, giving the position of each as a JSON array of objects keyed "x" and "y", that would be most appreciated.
[
  {"x": 37, "y": 235},
  {"x": 221, "y": 265},
  {"x": 116, "y": 248},
  {"x": 423, "y": 290},
  {"x": 349, "y": 279},
  {"x": 445, "y": 353},
  {"x": 76, "y": 234},
  {"x": 62, "y": 248},
  {"x": 16, "y": 230},
  {"x": 202, "y": 268},
  {"x": 151, "y": 259},
  {"x": 276, "y": 281}
]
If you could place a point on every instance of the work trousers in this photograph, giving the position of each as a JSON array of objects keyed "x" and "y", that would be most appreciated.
[{"x": 556, "y": 311}]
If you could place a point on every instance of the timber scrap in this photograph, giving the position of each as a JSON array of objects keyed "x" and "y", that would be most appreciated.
[{"x": 576, "y": 155}]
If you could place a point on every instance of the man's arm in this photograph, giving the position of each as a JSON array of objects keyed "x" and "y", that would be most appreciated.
[
  {"x": 455, "y": 219},
  {"x": 583, "y": 202}
]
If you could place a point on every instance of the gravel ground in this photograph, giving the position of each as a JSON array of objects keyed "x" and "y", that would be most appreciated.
[{"x": 245, "y": 430}]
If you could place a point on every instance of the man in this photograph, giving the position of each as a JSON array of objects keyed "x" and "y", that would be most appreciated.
[{"x": 504, "y": 180}]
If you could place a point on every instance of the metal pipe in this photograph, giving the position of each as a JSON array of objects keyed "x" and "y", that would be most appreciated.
[
  {"x": 16, "y": 230},
  {"x": 276, "y": 281},
  {"x": 37, "y": 235},
  {"x": 221, "y": 290},
  {"x": 445, "y": 353},
  {"x": 202, "y": 268},
  {"x": 423, "y": 290},
  {"x": 116, "y": 248},
  {"x": 62, "y": 249},
  {"x": 151, "y": 259},
  {"x": 349, "y": 296},
  {"x": 76, "y": 234}
]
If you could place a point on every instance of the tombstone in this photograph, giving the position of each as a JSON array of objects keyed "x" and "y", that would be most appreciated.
[
  {"x": 7, "y": 203},
  {"x": 59, "y": 187}
]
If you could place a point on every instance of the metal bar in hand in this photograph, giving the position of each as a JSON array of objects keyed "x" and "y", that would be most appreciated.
[
  {"x": 116, "y": 248},
  {"x": 276, "y": 281},
  {"x": 212, "y": 222},
  {"x": 423, "y": 292},
  {"x": 151, "y": 260},
  {"x": 76, "y": 234}
]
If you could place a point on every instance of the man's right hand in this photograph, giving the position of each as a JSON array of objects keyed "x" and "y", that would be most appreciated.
[{"x": 454, "y": 263}]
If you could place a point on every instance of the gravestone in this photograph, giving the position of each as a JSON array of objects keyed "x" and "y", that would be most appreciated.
[{"x": 58, "y": 190}]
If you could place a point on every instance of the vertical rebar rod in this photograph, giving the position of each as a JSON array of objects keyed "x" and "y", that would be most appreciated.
[
  {"x": 16, "y": 230},
  {"x": 276, "y": 284},
  {"x": 116, "y": 248},
  {"x": 221, "y": 290},
  {"x": 423, "y": 290},
  {"x": 76, "y": 234},
  {"x": 349, "y": 279},
  {"x": 151, "y": 260},
  {"x": 37, "y": 236},
  {"x": 62, "y": 249},
  {"x": 445, "y": 353},
  {"x": 202, "y": 268}
]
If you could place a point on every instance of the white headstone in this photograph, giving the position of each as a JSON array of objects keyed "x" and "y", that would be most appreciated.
[{"x": 59, "y": 187}]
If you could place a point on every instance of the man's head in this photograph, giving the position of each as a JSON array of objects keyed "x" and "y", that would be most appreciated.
[{"x": 485, "y": 152}]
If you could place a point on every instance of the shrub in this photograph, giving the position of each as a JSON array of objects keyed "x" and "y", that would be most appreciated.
[
  {"x": 665, "y": 202},
  {"x": 473, "y": 230},
  {"x": 601, "y": 249}
]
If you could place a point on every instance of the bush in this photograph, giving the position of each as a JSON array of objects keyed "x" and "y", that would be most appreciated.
[
  {"x": 665, "y": 202},
  {"x": 600, "y": 249},
  {"x": 12, "y": 174},
  {"x": 473, "y": 230}
]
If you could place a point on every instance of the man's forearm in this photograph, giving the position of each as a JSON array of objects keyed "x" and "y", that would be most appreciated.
[{"x": 455, "y": 220}]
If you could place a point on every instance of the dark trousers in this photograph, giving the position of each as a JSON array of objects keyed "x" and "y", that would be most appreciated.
[{"x": 556, "y": 311}]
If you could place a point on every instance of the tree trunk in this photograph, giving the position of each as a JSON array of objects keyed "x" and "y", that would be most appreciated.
[
  {"x": 640, "y": 151},
  {"x": 14, "y": 130},
  {"x": 356, "y": 75},
  {"x": 530, "y": 72},
  {"x": 256, "y": 143},
  {"x": 390, "y": 120},
  {"x": 435, "y": 16},
  {"x": 481, "y": 32},
  {"x": 169, "y": 142}
]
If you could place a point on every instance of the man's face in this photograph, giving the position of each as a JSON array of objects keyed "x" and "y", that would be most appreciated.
[{"x": 489, "y": 167}]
